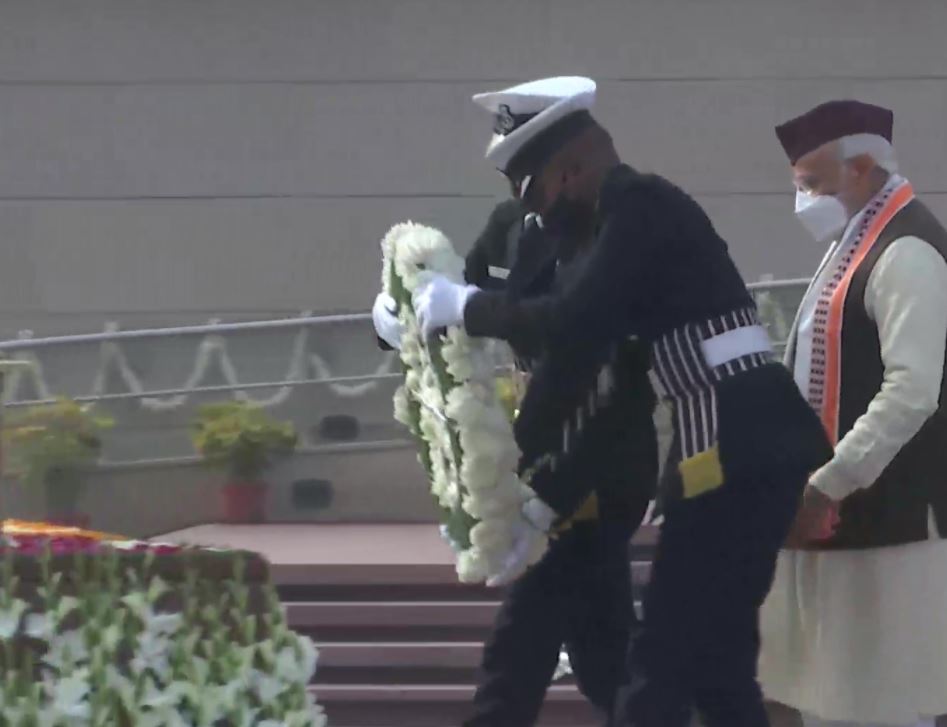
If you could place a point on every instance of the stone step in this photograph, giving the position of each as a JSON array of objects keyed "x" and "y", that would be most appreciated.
[
  {"x": 561, "y": 710},
  {"x": 393, "y": 614},
  {"x": 434, "y": 705},
  {"x": 440, "y": 663},
  {"x": 401, "y": 663},
  {"x": 394, "y": 622},
  {"x": 382, "y": 583},
  {"x": 354, "y": 655}
]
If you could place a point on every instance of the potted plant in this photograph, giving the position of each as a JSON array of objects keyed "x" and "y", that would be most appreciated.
[
  {"x": 51, "y": 445},
  {"x": 244, "y": 440}
]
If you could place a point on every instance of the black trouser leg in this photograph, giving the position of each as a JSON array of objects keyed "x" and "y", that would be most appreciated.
[
  {"x": 580, "y": 595},
  {"x": 600, "y": 613},
  {"x": 699, "y": 646},
  {"x": 521, "y": 654}
]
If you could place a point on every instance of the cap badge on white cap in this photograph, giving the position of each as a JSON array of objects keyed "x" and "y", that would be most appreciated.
[
  {"x": 505, "y": 121},
  {"x": 524, "y": 111}
]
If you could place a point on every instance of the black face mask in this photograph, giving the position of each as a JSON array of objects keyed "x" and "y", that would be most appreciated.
[{"x": 569, "y": 219}]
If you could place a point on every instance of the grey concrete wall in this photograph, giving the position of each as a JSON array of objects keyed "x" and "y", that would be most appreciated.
[
  {"x": 161, "y": 160},
  {"x": 140, "y": 501},
  {"x": 164, "y": 161}
]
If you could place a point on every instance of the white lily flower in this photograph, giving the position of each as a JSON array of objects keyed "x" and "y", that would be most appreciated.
[
  {"x": 66, "y": 605},
  {"x": 65, "y": 650},
  {"x": 10, "y": 618},
  {"x": 165, "y": 624},
  {"x": 68, "y": 697},
  {"x": 39, "y": 626},
  {"x": 267, "y": 687},
  {"x": 151, "y": 654},
  {"x": 137, "y": 603}
]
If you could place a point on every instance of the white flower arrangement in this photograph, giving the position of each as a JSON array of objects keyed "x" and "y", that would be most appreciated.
[
  {"x": 450, "y": 404},
  {"x": 132, "y": 649}
]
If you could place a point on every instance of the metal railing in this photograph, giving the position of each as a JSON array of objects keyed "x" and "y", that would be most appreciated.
[
  {"x": 112, "y": 335},
  {"x": 774, "y": 294},
  {"x": 26, "y": 341}
]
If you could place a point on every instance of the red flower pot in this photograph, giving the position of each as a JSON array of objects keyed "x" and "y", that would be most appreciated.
[{"x": 243, "y": 502}]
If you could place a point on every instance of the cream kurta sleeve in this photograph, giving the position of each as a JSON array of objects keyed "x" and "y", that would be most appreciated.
[{"x": 907, "y": 298}]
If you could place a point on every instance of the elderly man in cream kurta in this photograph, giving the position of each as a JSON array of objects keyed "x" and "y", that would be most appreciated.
[{"x": 855, "y": 628}]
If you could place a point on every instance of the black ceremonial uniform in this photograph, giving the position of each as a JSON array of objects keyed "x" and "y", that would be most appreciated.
[
  {"x": 745, "y": 440},
  {"x": 579, "y": 594},
  {"x": 494, "y": 252}
]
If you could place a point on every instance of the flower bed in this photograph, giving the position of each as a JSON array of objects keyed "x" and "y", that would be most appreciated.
[
  {"x": 450, "y": 403},
  {"x": 96, "y": 631}
]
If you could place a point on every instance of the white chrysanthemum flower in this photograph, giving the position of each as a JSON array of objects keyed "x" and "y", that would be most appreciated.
[
  {"x": 452, "y": 494},
  {"x": 430, "y": 428},
  {"x": 402, "y": 406},
  {"x": 500, "y": 502},
  {"x": 439, "y": 480},
  {"x": 479, "y": 473},
  {"x": 389, "y": 248},
  {"x": 412, "y": 382},
  {"x": 472, "y": 567},
  {"x": 484, "y": 444},
  {"x": 411, "y": 351},
  {"x": 494, "y": 534}
]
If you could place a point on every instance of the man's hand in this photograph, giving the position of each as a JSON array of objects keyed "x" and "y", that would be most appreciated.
[
  {"x": 529, "y": 540},
  {"x": 386, "y": 323},
  {"x": 817, "y": 519},
  {"x": 440, "y": 303}
]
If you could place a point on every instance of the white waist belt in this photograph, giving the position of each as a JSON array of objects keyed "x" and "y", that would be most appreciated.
[{"x": 734, "y": 344}]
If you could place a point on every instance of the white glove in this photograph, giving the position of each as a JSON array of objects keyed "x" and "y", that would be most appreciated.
[
  {"x": 529, "y": 538},
  {"x": 387, "y": 325},
  {"x": 440, "y": 303}
]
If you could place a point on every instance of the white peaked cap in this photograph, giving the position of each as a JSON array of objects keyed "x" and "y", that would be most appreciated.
[{"x": 523, "y": 111}]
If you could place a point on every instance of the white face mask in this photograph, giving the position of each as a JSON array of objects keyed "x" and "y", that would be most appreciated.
[{"x": 822, "y": 215}]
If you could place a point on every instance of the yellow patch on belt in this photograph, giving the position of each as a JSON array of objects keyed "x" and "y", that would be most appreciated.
[
  {"x": 587, "y": 511},
  {"x": 701, "y": 473}
]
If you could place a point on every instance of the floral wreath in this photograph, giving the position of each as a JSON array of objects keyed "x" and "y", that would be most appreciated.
[{"x": 450, "y": 404}]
